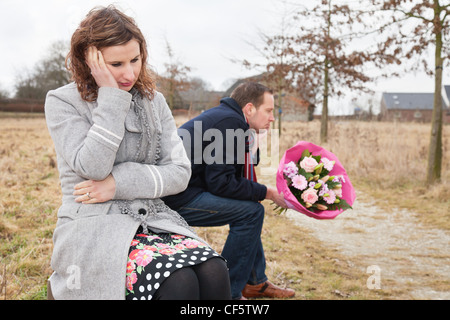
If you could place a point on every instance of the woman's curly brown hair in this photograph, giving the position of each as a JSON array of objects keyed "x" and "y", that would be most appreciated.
[{"x": 104, "y": 27}]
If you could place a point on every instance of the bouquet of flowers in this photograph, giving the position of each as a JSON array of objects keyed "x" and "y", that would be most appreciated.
[{"x": 314, "y": 182}]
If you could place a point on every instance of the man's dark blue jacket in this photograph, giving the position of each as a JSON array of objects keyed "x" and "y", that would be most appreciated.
[{"x": 223, "y": 176}]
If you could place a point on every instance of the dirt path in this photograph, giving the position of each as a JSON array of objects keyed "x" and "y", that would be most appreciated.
[{"x": 408, "y": 256}]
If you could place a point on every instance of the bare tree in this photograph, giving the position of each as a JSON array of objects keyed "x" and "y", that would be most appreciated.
[
  {"x": 175, "y": 78},
  {"x": 49, "y": 73},
  {"x": 199, "y": 96},
  {"x": 323, "y": 58},
  {"x": 276, "y": 68},
  {"x": 312, "y": 54},
  {"x": 4, "y": 94},
  {"x": 412, "y": 28}
]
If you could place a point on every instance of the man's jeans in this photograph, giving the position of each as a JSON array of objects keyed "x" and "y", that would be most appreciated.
[{"x": 243, "y": 249}]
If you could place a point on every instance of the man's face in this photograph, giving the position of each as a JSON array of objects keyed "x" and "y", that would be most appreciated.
[{"x": 262, "y": 117}]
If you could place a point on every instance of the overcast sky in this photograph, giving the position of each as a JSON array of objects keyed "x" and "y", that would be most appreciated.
[{"x": 204, "y": 34}]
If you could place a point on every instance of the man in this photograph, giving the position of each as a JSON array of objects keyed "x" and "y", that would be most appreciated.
[{"x": 223, "y": 188}]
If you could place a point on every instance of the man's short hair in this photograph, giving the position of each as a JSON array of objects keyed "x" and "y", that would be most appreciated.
[{"x": 250, "y": 92}]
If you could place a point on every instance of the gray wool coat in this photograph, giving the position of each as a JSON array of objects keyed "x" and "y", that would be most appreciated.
[{"x": 135, "y": 140}]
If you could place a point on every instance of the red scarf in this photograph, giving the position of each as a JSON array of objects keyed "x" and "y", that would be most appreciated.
[{"x": 249, "y": 167}]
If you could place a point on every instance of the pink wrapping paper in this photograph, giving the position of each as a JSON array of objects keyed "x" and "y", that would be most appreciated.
[{"x": 294, "y": 154}]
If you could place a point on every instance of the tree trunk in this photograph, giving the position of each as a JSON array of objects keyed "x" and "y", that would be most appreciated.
[
  {"x": 280, "y": 110},
  {"x": 324, "y": 118},
  {"x": 435, "y": 148}
]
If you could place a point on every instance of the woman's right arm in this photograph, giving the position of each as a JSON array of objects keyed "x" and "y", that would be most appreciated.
[{"x": 88, "y": 147}]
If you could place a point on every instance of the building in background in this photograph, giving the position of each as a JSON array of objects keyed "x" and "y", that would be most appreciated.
[{"x": 412, "y": 107}]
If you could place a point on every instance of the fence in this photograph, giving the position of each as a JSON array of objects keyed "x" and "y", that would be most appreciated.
[{"x": 22, "y": 105}]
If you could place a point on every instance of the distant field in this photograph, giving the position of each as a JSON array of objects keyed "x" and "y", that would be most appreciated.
[{"x": 384, "y": 160}]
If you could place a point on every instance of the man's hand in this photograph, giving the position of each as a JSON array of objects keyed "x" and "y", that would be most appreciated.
[{"x": 278, "y": 199}]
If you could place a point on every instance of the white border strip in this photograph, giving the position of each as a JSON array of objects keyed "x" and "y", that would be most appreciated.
[
  {"x": 160, "y": 180},
  {"x": 106, "y": 139},
  {"x": 107, "y": 131},
  {"x": 154, "y": 178}
]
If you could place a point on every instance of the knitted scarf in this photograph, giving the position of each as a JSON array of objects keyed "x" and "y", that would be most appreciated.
[{"x": 249, "y": 167}]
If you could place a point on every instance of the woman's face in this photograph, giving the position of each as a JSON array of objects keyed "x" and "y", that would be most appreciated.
[{"x": 124, "y": 62}]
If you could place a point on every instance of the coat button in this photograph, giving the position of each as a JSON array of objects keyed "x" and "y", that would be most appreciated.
[{"x": 142, "y": 211}]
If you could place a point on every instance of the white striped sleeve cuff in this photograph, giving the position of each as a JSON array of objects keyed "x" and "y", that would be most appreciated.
[
  {"x": 157, "y": 178},
  {"x": 105, "y": 135}
]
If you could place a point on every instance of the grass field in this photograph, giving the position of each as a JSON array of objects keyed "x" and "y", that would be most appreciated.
[{"x": 385, "y": 161}]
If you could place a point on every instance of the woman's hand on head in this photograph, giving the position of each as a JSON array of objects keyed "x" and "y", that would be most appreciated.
[
  {"x": 103, "y": 77},
  {"x": 92, "y": 191}
]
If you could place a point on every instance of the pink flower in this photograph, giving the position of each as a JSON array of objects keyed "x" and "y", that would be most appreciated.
[
  {"x": 308, "y": 164},
  {"x": 179, "y": 246},
  {"x": 131, "y": 279},
  {"x": 190, "y": 244},
  {"x": 150, "y": 237},
  {"x": 130, "y": 266},
  {"x": 299, "y": 182},
  {"x": 310, "y": 195},
  {"x": 168, "y": 251},
  {"x": 290, "y": 169},
  {"x": 338, "y": 192},
  {"x": 331, "y": 197},
  {"x": 133, "y": 254},
  {"x": 327, "y": 164},
  {"x": 144, "y": 257}
]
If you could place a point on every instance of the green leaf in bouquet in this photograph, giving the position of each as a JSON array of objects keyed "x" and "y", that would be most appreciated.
[
  {"x": 305, "y": 153},
  {"x": 342, "y": 205},
  {"x": 317, "y": 158},
  {"x": 307, "y": 175},
  {"x": 288, "y": 180},
  {"x": 318, "y": 169},
  {"x": 333, "y": 184},
  {"x": 278, "y": 210},
  {"x": 297, "y": 193}
]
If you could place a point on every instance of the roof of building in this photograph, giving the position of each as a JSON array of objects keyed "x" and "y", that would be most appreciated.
[
  {"x": 409, "y": 101},
  {"x": 447, "y": 91}
]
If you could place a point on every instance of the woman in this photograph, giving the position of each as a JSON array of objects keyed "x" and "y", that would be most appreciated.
[{"x": 118, "y": 153}]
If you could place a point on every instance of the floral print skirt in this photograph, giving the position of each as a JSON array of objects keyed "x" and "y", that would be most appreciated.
[{"x": 153, "y": 257}]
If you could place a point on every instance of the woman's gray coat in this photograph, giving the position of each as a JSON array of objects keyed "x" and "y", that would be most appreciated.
[{"x": 134, "y": 139}]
